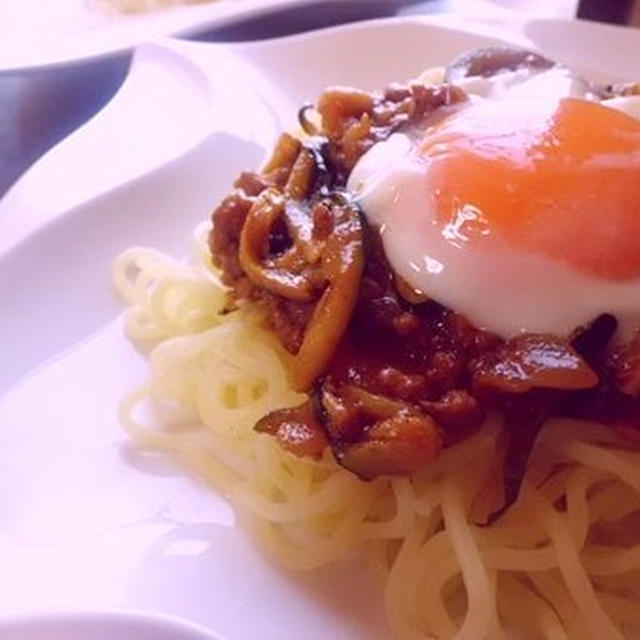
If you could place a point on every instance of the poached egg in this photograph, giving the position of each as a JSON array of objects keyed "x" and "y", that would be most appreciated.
[{"x": 519, "y": 209}]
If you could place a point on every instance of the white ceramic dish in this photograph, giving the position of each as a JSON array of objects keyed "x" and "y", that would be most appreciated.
[
  {"x": 87, "y": 520},
  {"x": 101, "y": 625},
  {"x": 37, "y": 33}
]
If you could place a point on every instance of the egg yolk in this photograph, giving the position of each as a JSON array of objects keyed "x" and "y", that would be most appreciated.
[{"x": 559, "y": 178}]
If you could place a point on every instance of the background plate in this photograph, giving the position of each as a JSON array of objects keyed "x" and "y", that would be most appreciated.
[{"x": 36, "y": 33}]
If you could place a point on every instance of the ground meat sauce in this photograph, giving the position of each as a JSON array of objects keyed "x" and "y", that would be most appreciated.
[{"x": 392, "y": 376}]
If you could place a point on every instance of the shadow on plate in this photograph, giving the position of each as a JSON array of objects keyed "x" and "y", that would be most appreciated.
[
  {"x": 42, "y": 106},
  {"x": 312, "y": 15}
]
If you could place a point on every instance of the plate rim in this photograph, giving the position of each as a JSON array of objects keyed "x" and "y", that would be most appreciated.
[{"x": 128, "y": 617}]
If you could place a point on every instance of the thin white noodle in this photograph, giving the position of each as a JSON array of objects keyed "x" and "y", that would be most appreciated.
[
  {"x": 599, "y": 624},
  {"x": 527, "y": 609},
  {"x": 608, "y": 562},
  {"x": 479, "y": 592},
  {"x": 437, "y": 566},
  {"x": 605, "y": 460},
  {"x": 550, "y": 586},
  {"x": 402, "y": 583},
  {"x": 403, "y": 519},
  {"x": 577, "y": 505},
  {"x": 621, "y": 608},
  {"x": 612, "y": 502}
]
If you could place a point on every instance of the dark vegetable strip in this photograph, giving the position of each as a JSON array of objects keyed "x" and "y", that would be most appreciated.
[
  {"x": 591, "y": 340},
  {"x": 523, "y": 419}
]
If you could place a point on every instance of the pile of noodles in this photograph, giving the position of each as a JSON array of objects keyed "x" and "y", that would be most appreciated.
[{"x": 564, "y": 562}]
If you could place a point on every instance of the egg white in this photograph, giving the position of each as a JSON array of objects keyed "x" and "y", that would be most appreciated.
[{"x": 496, "y": 287}]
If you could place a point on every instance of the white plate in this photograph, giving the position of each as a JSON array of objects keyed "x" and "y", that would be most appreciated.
[
  {"x": 101, "y": 625},
  {"x": 88, "y": 522},
  {"x": 36, "y": 33}
]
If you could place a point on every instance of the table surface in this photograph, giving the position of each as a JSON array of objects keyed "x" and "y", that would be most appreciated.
[{"x": 40, "y": 107}]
